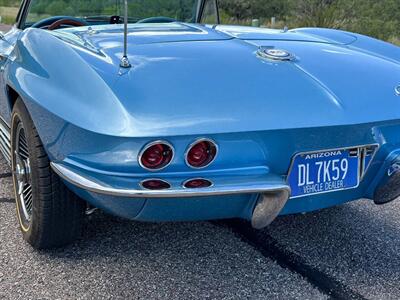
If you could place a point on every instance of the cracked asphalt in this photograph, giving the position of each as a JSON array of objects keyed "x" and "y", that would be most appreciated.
[{"x": 353, "y": 248}]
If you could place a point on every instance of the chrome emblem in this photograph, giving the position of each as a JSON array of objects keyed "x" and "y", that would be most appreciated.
[
  {"x": 397, "y": 90},
  {"x": 275, "y": 54}
]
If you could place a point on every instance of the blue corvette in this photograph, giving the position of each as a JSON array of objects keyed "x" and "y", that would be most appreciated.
[{"x": 165, "y": 118}]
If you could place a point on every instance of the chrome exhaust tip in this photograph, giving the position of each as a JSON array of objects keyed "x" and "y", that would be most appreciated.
[{"x": 268, "y": 207}]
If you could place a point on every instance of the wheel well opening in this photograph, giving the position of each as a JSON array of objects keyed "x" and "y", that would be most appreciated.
[{"x": 12, "y": 96}]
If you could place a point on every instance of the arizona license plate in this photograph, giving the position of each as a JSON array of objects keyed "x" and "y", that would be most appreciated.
[{"x": 326, "y": 171}]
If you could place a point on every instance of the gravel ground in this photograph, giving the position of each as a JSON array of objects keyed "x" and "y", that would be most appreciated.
[{"x": 122, "y": 259}]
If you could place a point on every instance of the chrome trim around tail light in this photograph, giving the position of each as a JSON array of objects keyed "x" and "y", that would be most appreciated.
[
  {"x": 192, "y": 179},
  {"x": 154, "y": 179},
  {"x": 195, "y": 143},
  {"x": 147, "y": 146}
]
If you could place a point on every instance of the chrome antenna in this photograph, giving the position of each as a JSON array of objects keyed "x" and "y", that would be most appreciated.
[{"x": 125, "y": 61}]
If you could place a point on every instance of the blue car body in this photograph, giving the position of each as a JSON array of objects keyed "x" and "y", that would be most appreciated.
[{"x": 191, "y": 81}]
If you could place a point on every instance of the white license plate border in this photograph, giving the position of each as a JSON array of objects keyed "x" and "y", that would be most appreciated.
[{"x": 360, "y": 176}]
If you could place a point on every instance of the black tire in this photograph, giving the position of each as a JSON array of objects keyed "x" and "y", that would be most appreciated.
[{"x": 56, "y": 214}]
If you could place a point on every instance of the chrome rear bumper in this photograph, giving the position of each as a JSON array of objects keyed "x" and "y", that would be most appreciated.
[{"x": 222, "y": 186}]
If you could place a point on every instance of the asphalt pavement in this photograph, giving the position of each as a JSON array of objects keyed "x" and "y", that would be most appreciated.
[{"x": 348, "y": 252}]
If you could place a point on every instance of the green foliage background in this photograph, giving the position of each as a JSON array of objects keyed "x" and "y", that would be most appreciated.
[{"x": 378, "y": 18}]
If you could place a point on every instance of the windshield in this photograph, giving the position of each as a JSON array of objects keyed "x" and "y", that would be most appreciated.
[{"x": 102, "y": 10}]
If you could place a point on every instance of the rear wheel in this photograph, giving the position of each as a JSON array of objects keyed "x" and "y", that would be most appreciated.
[{"x": 49, "y": 214}]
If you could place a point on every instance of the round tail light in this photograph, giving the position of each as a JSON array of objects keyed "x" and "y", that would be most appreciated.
[
  {"x": 201, "y": 153},
  {"x": 197, "y": 183},
  {"x": 155, "y": 184},
  {"x": 156, "y": 156}
]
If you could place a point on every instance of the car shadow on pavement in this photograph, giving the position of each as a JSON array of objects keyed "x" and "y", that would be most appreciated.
[
  {"x": 357, "y": 243},
  {"x": 358, "y": 236},
  {"x": 198, "y": 259}
]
